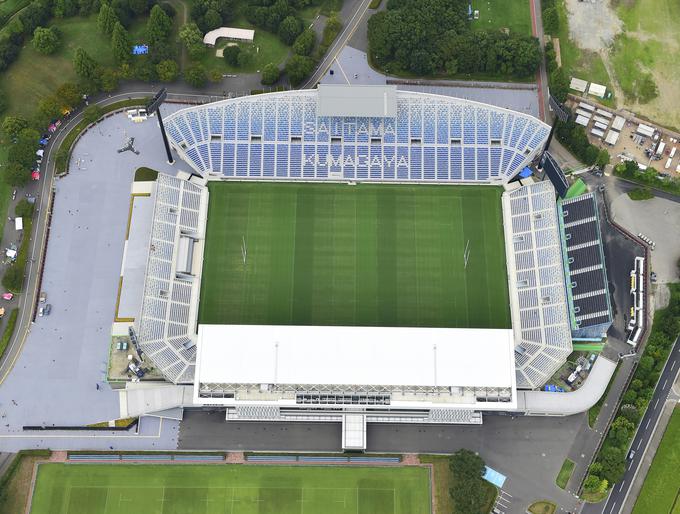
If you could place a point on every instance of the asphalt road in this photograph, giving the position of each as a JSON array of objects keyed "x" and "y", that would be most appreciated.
[{"x": 620, "y": 490}]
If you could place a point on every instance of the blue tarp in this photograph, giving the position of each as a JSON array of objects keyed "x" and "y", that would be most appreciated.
[
  {"x": 140, "y": 49},
  {"x": 493, "y": 476},
  {"x": 526, "y": 172}
]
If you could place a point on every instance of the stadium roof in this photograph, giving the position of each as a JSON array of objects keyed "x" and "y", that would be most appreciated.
[
  {"x": 585, "y": 261},
  {"x": 340, "y": 100},
  {"x": 329, "y": 355}
]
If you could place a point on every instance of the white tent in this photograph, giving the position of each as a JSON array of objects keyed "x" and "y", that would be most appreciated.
[
  {"x": 578, "y": 85},
  {"x": 19, "y": 223},
  {"x": 597, "y": 90},
  {"x": 12, "y": 254}
]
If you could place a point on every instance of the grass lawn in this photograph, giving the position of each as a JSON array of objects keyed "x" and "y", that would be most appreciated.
[
  {"x": 445, "y": 481},
  {"x": 365, "y": 255},
  {"x": 565, "y": 474},
  {"x": 542, "y": 507},
  {"x": 34, "y": 75},
  {"x": 662, "y": 485},
  {"x": 498, "y": 14},
  {"x": 5, "y": 190},
  {"x": 113, "y": 489},
  {"x": 267, "y": 47},
  {"x": 9, "y": 7}
]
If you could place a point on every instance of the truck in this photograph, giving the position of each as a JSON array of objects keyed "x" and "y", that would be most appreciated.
[
  {"x": 660, "y": 148},
  {"x": 43, "y": 297}
]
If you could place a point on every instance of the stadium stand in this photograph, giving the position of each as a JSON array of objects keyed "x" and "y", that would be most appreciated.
[
  {"x": 588, "y": 291},
  {"x": 538, "y": 294},
  {"x": 431, "y": 138},
  {"x": 170, "y": 299}
]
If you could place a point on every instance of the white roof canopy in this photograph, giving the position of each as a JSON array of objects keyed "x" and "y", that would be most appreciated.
[
  {"x": 229, "y": 33},
  {"x": 578, "y": 84},
  {"x": 597, "y": 90},
  {"x": 256, "y": 354}
]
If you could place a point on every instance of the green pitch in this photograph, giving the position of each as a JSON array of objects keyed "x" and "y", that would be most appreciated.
[
  {"x": 365, "y": 255},
  {"x": 229, "y": 489}
]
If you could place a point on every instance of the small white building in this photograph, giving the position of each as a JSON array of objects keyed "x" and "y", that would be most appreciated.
[
  {"x": 578, "y": 85},
  {"x": 597, "y": 90},
  {"x": 233, "y": 34},
  {"x": 19, "y": 223}
]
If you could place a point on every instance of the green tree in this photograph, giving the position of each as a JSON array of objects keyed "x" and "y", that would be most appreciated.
[
  {"x": 108, "y": 79},
  {"x": 196, "y": 76},
  {"x": 231, "y": 54},
  {"x": 559, "y": 84},
  {"x": 12, "y": 125},
  {"x": 3, "y": 102},
  {"x": 270, "y": 74},
  {"x": 298, "y": 68},
  {"x": 50, "y": 107},
  {"x": 551, "y": 21},
  {"x": 69, "y": 94},
  {"x": 167, "y": 70},
  {"x": 192, "y": 38},
  {"x": 24, "y": 208},
  {"x": 290, "y": 28},
  {"x": 92, "y": 113},
  {"x": 45, "y": 41},
  {"x": 158, "y": 27},
  {"x": 106, "y": 19},
  {"x": 23, "y": 151},
  {"x": 467, "y": 468},
  {"x": 613, "y": 460},
  {"x": 212, "y": 19},
  {"x": 602, "y": 158},
  {"x": 304, "y": 44},
  {"x": 592, "y": 484},
  {"x": 120, "y": 44},
  {"x": 86, "y": 67},
  {"x": 246, "y": 57},
  {"x": 15, "y": 175}
]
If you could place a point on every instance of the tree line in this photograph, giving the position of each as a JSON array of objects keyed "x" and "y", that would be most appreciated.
[{"x": 434, "y": 38}]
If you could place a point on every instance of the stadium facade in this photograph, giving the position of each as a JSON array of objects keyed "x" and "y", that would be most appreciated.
[{"x": 357, "y": 134}]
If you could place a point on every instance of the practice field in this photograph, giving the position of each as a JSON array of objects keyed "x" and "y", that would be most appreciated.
[
  {"x": 661, "y": 491},
  {"x": 364, "y": 255},
  {"x": 501, "y": 14},
  {"x": 229, "y": 489}
]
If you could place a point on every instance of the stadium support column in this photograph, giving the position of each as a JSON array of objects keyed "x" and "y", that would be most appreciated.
[{"x": 165, "y": 137}]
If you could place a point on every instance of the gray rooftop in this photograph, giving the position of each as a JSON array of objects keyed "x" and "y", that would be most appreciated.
[{"x": 363, "y": 101}]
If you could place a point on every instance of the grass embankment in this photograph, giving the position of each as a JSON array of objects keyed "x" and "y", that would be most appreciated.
[
  {"x": 145, "y": 175},
  {"x": 34, "y": 75},
  {"x": 121, "y": 422},
  {"x": 15, "y": 484},
  {"x": 444, "y": 481},
  {"x": 8, "y": 332},
  {"x": 514, "y": 15},
  {"x": 648, "y": 177},
  {"x": 662, "y": 485},
  {"x": 63, "y": 154},
  {"x": 565, "y": 473}
]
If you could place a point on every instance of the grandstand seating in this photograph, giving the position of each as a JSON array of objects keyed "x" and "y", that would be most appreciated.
[{"x": 431, "y": 139}]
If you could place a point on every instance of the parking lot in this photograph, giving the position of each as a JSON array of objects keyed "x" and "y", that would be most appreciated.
[{"x": 59, "y": 377}]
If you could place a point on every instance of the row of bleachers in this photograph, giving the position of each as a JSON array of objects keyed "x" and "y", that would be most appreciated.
[{"x": 435, "y": 138}]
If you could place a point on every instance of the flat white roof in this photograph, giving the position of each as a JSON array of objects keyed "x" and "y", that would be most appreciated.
[
  {"x": 597, "y": 90},
  {"x": 619, "y": 122},
  {"x": 265, "y": 354},
  {"x": 230, "y": 33},
  {"x": 612, "y": 137},
  {"x": 582, "y": 120},
  {"x": 578, "y": 84}
]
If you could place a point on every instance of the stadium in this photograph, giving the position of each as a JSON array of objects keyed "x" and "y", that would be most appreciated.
[{"x": 353, "y": 254}]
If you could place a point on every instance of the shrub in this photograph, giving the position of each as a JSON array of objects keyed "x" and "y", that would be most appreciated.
[
  {"x": 270, "y": 74},
  {"x": 231, "y": 54}
]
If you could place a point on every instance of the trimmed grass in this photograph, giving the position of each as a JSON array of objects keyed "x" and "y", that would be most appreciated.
[
  {"x": 9, "y": 331},
  {"x": 5, "y": 190},
  {"x": 444, "y": 481},
  {"x": 34, "y": 76},
  {"x": 145, "y": 175},
  {"x": 542, "y": 507},
  {"x": 365, "y": 255},
  {"x": 499, "y": 14},
  {"x": 113, "y": 489},
  {"x": 565, "y": 473},
  {"x": 267, "y": 47},
  {"x": 660, "y": 491}
]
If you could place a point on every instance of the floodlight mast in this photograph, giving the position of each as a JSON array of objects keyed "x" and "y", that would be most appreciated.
[{"x": 154, "y": 106}]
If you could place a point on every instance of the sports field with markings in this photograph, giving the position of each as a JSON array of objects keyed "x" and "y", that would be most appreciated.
[
  {"x": 229, "y": 489},
  {"x": 363, "y": 255}
]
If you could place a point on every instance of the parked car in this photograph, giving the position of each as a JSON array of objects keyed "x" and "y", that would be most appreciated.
[
  {"x": 7, "y": 296},
  {"x": 47, "y": 309},
  {"x": 14, "y": 194}
]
